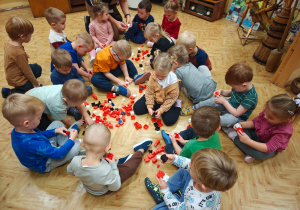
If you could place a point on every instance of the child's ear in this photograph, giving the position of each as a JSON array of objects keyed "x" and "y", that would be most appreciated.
[
  {"x": 107, "y": 148},
  {"x": 219, "y": 128},
  {"x": 64, "y": 99},
  {"x": 25, "y": 123},
  {"x": 79, "y": 46},
  {"x": 52, "y": 24},
  {"x": 82, "y": 142},
  {"x": 245, "y": 84},
  {"x": 203, "y": 187}
]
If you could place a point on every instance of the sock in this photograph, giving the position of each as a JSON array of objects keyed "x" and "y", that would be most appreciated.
[
  {"x": 116, "y": 89},
  {"x": 141, "y": 150},
  {"x": 194, "y": 108},
  {"x": 135, "y": 76}
]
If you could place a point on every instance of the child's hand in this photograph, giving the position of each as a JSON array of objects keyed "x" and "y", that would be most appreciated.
[
  {"x": 90, "y": 71},
  {"x": 61, "y": 130},
  {"x": 180, "y": 140},
  {"x": 244, "y": 138},
  {"x": 89, "y": 121},
  {"x": 147, "y": 63},
  {"x": 73, "y": 134},
  {"x": 150, "y": 111},
  {"x": 162, "y": 184},
  {"x": 170, "y": 160},
  {"x": 122, "y": 83},
  {"x": 113, "y": 159},
  {"x": 90, "y": 77},
  {"x": 81, "y": 121},
  {"x": 128, "y": 79},
  {"x": 220, "y": 100},
  {"x": 219, "y": 92},
  {"x": 158, "y": 113},
  {"x": 102, "y": 45}
]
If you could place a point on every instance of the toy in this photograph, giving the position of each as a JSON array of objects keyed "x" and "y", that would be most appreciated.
[
  {"x": 160, "y": 174},
  {"x": 94, "y": 96},
  {"x": 176, "y": 135},
  {"x": 146, "y": 159},
  {"x": 156, "y": 142},
  {"x": 67, "y": 132},
  {"x": 109, "y": 155},
  {"x": 239, "y": 127},
  {"x": 164, "y": 158},
  {"x": 154, "y": 160},
  {"x": 216, "y": 93},
  {"x": 146, "y": 126}
]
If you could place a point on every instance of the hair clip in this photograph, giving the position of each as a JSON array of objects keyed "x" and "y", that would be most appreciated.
[{"x": 290, "y": 112}]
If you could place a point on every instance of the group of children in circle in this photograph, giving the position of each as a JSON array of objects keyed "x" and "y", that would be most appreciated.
[{"x": 184, "y": 64}]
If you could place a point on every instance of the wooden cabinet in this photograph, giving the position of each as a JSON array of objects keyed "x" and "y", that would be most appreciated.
[{"x": 210, "y": 10}]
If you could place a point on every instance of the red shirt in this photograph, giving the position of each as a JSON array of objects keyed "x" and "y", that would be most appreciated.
[{"x": 172, "y": 28}]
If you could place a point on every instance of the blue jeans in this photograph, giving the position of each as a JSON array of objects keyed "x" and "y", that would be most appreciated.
[
  {"x": 180, "y": 180},
  {"x": 186, "y": 135},
  {"x": 250, "y": 150},
  {"x": 37, "y": 72},
  {"x": 99, "y": 80},
  {"x": 135, "y": 34},
  {"x": 227, "y": 119}
]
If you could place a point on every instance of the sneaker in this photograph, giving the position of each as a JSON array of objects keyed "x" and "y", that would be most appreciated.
[
  {"x": 75, "y": 126},
  {"x": 143, "y": 145},
  {"x": 124, "y": 92},
  {"x": 92, "y": 61},
  {"x": 124, "y": 159},
  {"x": 249, "y": 159},
  {"x": 154, "y": 190},
  {"x": 187, "y": 111},
  {"x": 165, "y": 137},
  {"x": 231, "y": 133},
  {"x": 142, "y": 78},
  {"x": 5, "y": 92},
  {"x": 74, "y": 112}
]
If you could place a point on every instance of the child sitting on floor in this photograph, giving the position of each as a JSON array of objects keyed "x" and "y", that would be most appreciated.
[
  {"x": 198, "y": 57},
  {"x": 201, "y": 179},
  {"x": 190, "y": 75},
  {"x": 110, "y": 63},
  {"x": 171, "y": 23},
  {"x": 161, "y": 93},
  {"x": 154, "y": 33},
  {"x": 100, "y": 29},
  {"x": 271, "y": 131},
  {"x": 41, "y": 151},
  {"x": 18, "y": 72},
  {"x": 201, "y": 134},
  {"x": 57, "y": 20},
  {"x": 100, "y": 174},
  {"x": 139, "y": 23}
]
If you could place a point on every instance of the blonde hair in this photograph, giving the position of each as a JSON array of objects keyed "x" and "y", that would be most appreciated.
[
  {"x": 284, "y": 107},
  {"x": 54, "y": 15},
  {"x": 97, "y": 137},
  {"x": 181, "y": 53},
  {"x": 99, "y": 8},
  {"x": 187, "y": 39},
  {"x": 152, "y": 29},
  {"x": 163, "y": 62},
  {"x": 19, "y": 107},
  {"x": 122, "y": 48},
  {"x": 61, "y": 58},
  {"x": 172, "y": 6},
  {"x": 17, "y": 26},
  {"x": 214, "y": 168},
  {"x": 74, "y": 91},
  {"x": 85, "y": 39}
]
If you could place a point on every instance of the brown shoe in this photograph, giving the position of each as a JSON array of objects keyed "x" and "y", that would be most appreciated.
[{"x": 142, "y": 78}]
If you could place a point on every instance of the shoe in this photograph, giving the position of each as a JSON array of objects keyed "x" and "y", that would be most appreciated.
[
  {"x": 75, "y": 126},
  {"x": 249, "y": 159},
  {"x": 231, "y": 133},
  {"x": 92, "y": 61},
  {"x": 5, "y": 92},
  {"x": 124, "y": 159},
  {"x": 124, "y": 92},
  {"x": 142, "y": 78},
  {"x": 98, "y": 49},
  {"x": 74, "y": 112},
  {"x": 143, "y": 145},
  {"x": 154, "y": 191},
  {"x": 165, "y": 137},
  {"x": 187, "y": 111}
]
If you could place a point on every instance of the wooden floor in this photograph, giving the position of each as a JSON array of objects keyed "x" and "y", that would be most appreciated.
[{"x": 270, "y": 184}]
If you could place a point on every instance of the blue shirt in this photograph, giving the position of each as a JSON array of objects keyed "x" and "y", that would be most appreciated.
[
  {"x": 75, "y": 57},
  {"x": 60, "y": 79},
  {"x": 143, "y": 23},
  {"x": 34, "y": 149}
]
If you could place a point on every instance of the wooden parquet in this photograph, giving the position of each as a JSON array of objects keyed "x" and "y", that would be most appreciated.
[{"x": 271, "y": 184}]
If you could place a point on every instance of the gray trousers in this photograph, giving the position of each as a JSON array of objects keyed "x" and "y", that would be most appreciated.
[
  {"x": 57, "y": 141},
  {"x": 227, "y": 119}
]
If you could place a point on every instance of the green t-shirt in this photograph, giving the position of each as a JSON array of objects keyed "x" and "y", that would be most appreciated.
[{"x": 193, "y": 145}]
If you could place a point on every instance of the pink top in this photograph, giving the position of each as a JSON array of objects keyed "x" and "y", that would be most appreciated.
[
  {"x": 276, "y": 137},
  {"x": 172, "y": 28},
  {"x": 101, "y": 32}
]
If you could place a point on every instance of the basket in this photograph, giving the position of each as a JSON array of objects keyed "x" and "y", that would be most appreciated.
[{"x": 295, "y": 86}]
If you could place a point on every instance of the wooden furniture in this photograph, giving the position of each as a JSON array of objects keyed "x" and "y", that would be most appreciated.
[
  {"x": 210, "y": 10},
  {"x": 290, "y": 65}
]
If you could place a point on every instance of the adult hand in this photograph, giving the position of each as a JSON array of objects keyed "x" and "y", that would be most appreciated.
[
  {"x": 121, "y": 26},
  {"x": 162, "y": 184}
]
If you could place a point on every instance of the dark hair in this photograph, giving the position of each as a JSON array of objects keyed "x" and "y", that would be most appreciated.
[
  {"x": 238, "y": 73},
  {"x": 99, "y": 8},
  {"x": 205, "y": 121},
  {"x": 145, "y": 4},
  {"x": 17, "y": 26}
]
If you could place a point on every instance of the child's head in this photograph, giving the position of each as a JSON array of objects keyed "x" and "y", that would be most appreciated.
[
  {"x": 23, "y": 110},
  {"x": 62, "y": 61},
  {"x": 56, "y": 19},
  {"x": 181, "y": 53},
  {"x": 187, "y": 39},
  {"x": 74, "y": 92},
  {"x": 19, "y": 28},
  {"x": 154, "y": 32},
  {"x": 121, "y": 50},
  {"x": 144, "y": 9},
  {"x": 213, "y": 169},
  {"x": 101, "y": 11},
  {"x": 238, "y": 76},
  {"x": 281, "y": 108},
  {"x": 163, "y": 64},
  {"x": 84, "y": 43},
  {"x": 97, "y": 138},
  {"x": 171, "y": 8},
  {"x": 206, "y": 121}
]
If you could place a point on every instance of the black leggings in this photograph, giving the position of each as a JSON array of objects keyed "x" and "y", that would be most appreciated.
[{"x": 169, "y": 118}]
